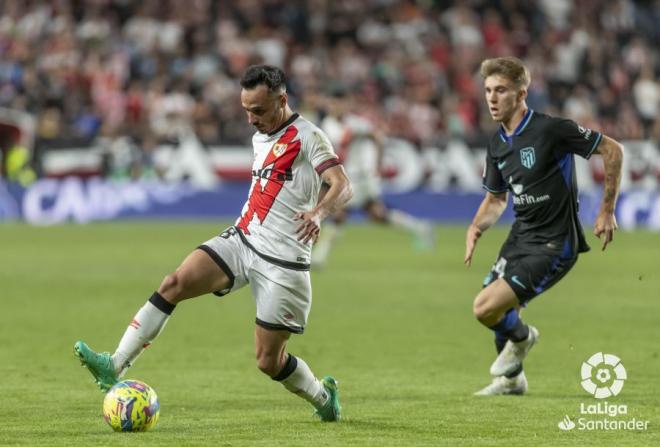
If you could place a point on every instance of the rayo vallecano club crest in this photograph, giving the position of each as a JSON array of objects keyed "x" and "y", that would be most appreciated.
[{"x": 278, "y": 149}]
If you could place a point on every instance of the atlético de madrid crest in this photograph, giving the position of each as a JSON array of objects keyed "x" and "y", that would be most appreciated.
[
  {"x": 278, "y": 149},
  {"x": 527, "y": 157}
]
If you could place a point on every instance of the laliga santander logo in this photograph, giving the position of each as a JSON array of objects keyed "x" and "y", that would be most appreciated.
[{"x": 603, "y": 375}]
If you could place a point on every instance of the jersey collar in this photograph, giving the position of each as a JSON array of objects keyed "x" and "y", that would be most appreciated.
[
  {"x": 521, "y": 126},
  {"x": 286, "y": 123}
]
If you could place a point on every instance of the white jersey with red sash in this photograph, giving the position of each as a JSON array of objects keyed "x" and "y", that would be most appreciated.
[{"x": 285, "y": 180}]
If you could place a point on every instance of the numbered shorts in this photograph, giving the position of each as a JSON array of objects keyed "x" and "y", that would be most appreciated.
[
  {"x": 528, "y": 274},
  {"x": 283, "y": 296}
]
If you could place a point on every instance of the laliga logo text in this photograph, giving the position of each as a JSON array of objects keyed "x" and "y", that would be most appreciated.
[{"x": 603, "y": 376}]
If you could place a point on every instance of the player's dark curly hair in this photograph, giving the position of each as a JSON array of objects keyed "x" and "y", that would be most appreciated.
[{"x": 268, "y": 75}]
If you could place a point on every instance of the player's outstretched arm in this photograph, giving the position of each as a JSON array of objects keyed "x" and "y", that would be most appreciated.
[
  {"x": 338, "y": 192},
  {"x": 489, "y": 212},
  {"x": 612, "y": 153}
]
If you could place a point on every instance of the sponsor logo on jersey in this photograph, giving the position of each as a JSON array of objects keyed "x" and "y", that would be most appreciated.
[
  {"x": 272, "y": 174},
  {"x": 528, "y": 199},
  {"x": 515, "y": 187},
  {"x": 515, "y": 279},
  {"x": 525, "y": 199},
  {"x": 527, "y": 157},
  {"x": 279, "y": 148}
]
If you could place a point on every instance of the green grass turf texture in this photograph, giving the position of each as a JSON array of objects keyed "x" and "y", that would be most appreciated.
[{"x": 393, "y": 325}]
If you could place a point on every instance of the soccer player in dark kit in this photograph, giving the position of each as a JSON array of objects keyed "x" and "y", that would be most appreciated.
[{"x": 531, "y": 155}]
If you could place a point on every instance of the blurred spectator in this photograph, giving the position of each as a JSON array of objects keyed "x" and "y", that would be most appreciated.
[
  {"x": 140, "y": 70},
  {"x": 646, "y": 92},
  {"x": 18, "y": 166}
]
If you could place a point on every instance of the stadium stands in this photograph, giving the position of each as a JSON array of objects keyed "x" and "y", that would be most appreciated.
[{"x": 108, "y": 68}]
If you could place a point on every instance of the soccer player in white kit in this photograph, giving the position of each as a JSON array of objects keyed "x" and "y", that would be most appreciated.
[{"x": 269, "y": 247}]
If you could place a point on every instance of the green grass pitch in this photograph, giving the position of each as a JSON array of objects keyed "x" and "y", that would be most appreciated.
[{"x": 393, "y": 325}]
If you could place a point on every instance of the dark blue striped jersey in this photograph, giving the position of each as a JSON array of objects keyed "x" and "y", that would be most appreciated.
[{"x": 536, "y": 164}]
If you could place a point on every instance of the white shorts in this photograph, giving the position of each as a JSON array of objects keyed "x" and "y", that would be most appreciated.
[{"x": 283, "y": 295}]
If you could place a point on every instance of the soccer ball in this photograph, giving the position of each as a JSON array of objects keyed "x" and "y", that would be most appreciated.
[{"x": 131, "y": 405}]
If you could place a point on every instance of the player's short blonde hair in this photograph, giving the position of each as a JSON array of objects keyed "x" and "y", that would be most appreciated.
[{"x": 509, "y": 67}]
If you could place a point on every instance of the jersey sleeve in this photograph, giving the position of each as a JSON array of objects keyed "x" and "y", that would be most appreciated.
[
  {"x": 320, "y": 152},
  {"x": 575, "y": 139},
  {"x": 492, "y": 178}
]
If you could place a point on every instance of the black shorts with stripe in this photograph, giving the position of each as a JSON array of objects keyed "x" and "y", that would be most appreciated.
[{"x": 529, "y": 272}]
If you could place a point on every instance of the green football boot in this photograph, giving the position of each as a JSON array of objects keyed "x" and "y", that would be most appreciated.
[
  {"x": 331, "y": 411},
  {"x": 100, "y": 365}
]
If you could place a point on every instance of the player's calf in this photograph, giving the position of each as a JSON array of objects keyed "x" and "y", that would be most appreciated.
[
  {"x": 495, "y": 307},
  {"x": 269, "y": 363}
]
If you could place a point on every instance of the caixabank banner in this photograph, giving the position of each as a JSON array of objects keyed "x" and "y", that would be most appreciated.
[{"x": 73, "y": 199}]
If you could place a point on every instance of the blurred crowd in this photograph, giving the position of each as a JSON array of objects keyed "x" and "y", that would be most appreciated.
[{"x": 90, "y": 69}]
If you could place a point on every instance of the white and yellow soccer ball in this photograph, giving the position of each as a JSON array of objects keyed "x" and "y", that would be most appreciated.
[{"x": 131, "y": 405}]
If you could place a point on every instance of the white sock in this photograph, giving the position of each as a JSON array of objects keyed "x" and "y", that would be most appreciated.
[
  {"x": 145, "y": 327},
  {"x": 406, "y": 221},
  {"x": 301, "y": 381},
  {"x": 328, "y": 236}
]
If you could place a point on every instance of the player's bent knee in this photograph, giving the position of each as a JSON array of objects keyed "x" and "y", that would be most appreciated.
[
  {"x": 172, "y": 288},
  {"x": 480, "y": 312},
  {"x": 479, "y": 306},
  {"x": 483, "y": 311}
]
